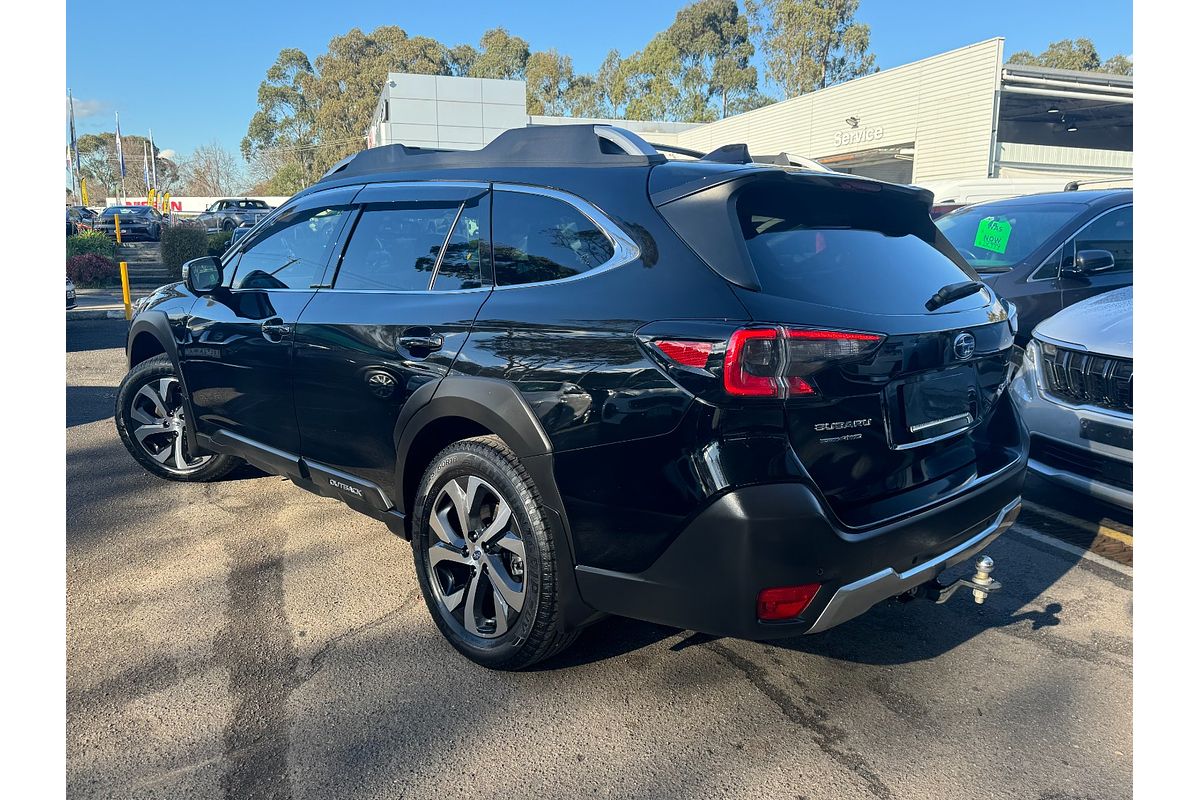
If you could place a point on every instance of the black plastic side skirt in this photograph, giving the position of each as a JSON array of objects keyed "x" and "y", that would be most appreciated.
[{"x": 362, "y": 496}]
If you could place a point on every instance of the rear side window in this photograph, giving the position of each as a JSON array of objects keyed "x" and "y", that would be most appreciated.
[
  {"x": 395, "y": 247},
  {"x": 846, "y": 249},
  {"x": 538, "y": 238}
]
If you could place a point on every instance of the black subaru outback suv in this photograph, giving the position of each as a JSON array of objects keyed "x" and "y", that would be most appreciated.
[{"x": 721, "y": 395}]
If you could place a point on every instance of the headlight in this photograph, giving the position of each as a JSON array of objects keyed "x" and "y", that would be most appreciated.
[{"x": 1031, "y": 354}]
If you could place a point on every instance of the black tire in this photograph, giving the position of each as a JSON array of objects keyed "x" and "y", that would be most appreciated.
[
  {"x": 137, "y": 410},
  {"x": 534, "y": 633},
  {"x": 228, "y": 226}
]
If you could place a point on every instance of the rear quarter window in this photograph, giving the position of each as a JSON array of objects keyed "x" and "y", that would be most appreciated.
[{"x": 539, "y": 238}]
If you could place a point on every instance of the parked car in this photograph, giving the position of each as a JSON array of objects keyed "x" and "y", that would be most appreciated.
[
  {"x": 1075, "y": 392},
  {"x": 86, "y": 215},
  {"x": 1045, "y": 252},
  {"x": 228, "y": 214},
  {"x": 781, "y": 397},
  {"x": 70, "y": 293},
  {"x": 239, "y": 232},
  {"x": 79, "y": 219},
  {"x": 137, "y": 222}
]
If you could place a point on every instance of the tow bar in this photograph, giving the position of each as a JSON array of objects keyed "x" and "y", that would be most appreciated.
[{"x": 981, "y": 584}]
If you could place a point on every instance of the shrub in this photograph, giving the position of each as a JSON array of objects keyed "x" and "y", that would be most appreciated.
[
  {"x": 218, "y": 243},
  {"x": 180, "y": 244},
  {"x": 92, "y": 270},
  {"x": 86, "y": 242}
]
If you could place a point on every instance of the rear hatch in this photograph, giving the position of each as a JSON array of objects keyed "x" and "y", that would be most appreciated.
[{"x": 890, "y": 394}]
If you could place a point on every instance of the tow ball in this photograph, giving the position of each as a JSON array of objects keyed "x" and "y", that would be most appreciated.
[{"x": 981, "y": 584}]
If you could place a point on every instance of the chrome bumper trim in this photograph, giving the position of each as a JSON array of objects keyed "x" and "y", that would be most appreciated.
[{"x": 856, "y": 598}]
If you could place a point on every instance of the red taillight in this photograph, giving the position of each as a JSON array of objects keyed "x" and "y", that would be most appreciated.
[
  {"x": 689, "y": 354},
  {"x": 752, "y": 363},
  {"x": 770, "y": 361},
  {"x": 785, "y": 602}
]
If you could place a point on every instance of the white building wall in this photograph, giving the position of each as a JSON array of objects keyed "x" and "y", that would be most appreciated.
[
  {"x": 448, "y": 112},
  {"x": 945, "y": 104}
]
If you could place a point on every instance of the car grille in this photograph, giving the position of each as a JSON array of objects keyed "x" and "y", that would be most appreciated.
[
  {"x": 1085, "y": 463},
  {"x": 1087, "y": 378}
]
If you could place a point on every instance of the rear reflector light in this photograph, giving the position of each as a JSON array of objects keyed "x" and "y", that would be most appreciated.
[
  {"x": 785, "y": 602},
  {"x": 689, "y": 354}
]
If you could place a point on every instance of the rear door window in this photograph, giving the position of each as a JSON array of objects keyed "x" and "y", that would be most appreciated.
[
  {"x": 466, "y": 262},
  {"x": 846, "y": 249},
  {"x": 540, "y": 238},
  {"x": 395, "y": 246}
]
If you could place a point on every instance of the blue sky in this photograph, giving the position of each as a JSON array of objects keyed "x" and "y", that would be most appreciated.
[{"x": 191, "y": 72}]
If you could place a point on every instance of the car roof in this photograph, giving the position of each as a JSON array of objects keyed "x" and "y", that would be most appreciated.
[
  {"x": 565, "y": 155},
  {"x": 1090, "y": 197}
]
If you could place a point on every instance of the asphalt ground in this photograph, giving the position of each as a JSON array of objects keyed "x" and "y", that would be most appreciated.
[{"x": 248, "y": 639}]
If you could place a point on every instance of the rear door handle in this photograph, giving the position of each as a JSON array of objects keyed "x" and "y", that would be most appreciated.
[
  {"x": 273, "y": 330},
  {"x": 433, "y": 341}
]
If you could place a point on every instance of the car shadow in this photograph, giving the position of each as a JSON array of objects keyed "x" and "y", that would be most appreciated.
[
  {"x": 89, "y": 404},
  {"x": 96, "y": 334},
  {"x": 893, "y": 632}
]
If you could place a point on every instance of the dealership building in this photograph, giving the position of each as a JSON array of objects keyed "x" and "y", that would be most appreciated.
[{"x": 945, "y": 122}]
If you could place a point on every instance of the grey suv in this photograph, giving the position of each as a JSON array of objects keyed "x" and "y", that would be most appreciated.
[{"x": 225, "y": 215}]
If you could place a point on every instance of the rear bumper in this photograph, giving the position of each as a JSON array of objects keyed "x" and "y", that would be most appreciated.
[
  {"x": 774, "y": 535},
  {"x": 855, "y": 598}
]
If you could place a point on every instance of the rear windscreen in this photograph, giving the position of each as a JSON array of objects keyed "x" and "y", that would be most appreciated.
[{"x": 860, "y": 250}]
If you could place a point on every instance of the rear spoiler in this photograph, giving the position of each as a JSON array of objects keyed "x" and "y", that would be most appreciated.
[{"x": 834, "y": 180}]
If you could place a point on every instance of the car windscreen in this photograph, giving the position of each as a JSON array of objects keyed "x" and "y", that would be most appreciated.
[
  {"x": 126, "y": 211},
  {"x": 993, "y": 237},
  {"x": 846, "y": 249},
  {"x": 255, "y": 204}
]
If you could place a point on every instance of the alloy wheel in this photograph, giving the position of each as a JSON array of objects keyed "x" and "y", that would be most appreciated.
[
  {"x": 477, "y": 557},
  {"x": 157, "y": 410}
]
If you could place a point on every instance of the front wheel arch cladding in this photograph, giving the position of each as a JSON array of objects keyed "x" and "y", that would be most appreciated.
[{"x": 155, "y": 325}]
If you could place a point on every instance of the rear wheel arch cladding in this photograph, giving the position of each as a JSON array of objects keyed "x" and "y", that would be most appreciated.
[
  {"x": 462, "y": 407},
  {"x": 459, "y": 407}
]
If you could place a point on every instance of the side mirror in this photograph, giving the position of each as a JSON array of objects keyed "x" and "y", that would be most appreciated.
[
  {"x": 202, "y": 275},
  {"x": 1089, "y": 262}
]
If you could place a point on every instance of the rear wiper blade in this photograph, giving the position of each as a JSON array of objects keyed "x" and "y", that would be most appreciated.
[{"x": 952, "y": 292}]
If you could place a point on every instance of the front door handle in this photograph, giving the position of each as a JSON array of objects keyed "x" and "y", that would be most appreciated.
[{"x": 274, "y": 329}]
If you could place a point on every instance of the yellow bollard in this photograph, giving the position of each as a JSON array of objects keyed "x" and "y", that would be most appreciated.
[
  {"x": 125, "y": 289},
  {"x": 117, "y": 226}
]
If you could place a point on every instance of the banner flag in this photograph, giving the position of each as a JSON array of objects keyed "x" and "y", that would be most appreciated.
[
  {"x": 74, "y": 144},
  {"x": 153, "y": 162},
  {"x": 120, "y": 152}
]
